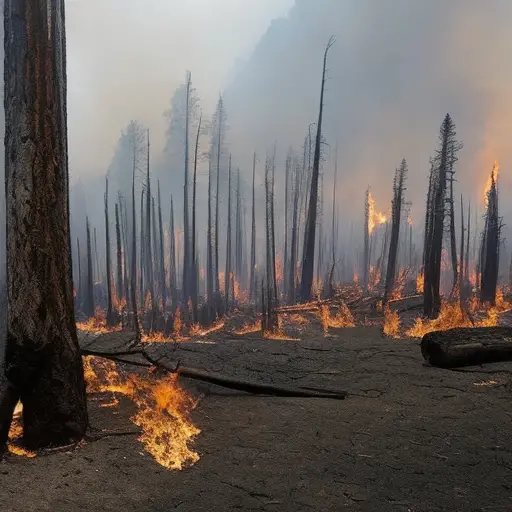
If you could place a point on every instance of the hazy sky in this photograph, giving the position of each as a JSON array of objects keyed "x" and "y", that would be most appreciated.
[{"x": 126, "y": 57}]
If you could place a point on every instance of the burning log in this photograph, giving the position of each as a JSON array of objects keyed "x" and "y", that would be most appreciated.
[{"x": 467, "y": 346}]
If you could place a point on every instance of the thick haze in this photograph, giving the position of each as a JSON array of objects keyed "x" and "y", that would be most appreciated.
[
  {"x": 126, "y": 58},
  {"x": 396, "y": 69}
]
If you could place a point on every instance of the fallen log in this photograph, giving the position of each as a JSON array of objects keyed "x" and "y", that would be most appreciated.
[
  {"x": 467, "y": 346},
  {"x": 219, "y": 380}
]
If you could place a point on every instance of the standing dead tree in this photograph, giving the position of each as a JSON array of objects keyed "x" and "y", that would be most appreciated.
[
  {"x": 194, "y": 280},
  {"x": 89, "y": 289},
  {"x": 119, "y": 259},
  {"x": 110, "y": 318},
  {"x": 396, "y": 215},
  {"x": 442, "y": 164},
  {"x": 42, "y": 366},
  {"x": 252, "y": 286},
  {"x": 227, "y": 271},
  {"x": 309, "y": 246},
  {"x": 187, "y": 263},
  {"x": 366, "y": 241},
  {"x": 489, "y": 263}
]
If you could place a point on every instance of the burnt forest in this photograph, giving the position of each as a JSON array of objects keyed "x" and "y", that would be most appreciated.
[{"x": 256, "y": 256}]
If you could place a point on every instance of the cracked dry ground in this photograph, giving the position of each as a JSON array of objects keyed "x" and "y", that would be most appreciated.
[{"x": 409, "y": 437}]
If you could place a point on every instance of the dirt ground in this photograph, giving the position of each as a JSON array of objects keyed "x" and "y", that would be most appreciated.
[{"x": 409, "y": 437}]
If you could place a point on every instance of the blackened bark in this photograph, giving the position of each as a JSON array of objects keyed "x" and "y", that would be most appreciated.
[
  {"x": 252, "y": 286},
  {"x": 110, "y": 318},
  {"x": 43, "y": 366},
  {"x": 89, "y": 289},
  {"x": 172, "y": 257},
  {"x": 133, "y": 276},
  {"x": 119, "y": 284},
  {"x": 161, "y": 259},
  {"x": 309, "y": 253},
  {"x": 194, "y": 281},
  {"x": 227, "y": 271},
  {"x": 187, "y": 264},
  {"x": 396, "y": 215}
]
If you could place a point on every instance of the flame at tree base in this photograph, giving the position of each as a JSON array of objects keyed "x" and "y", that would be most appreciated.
[
  {"x": 163, "y": 411},
  {"x": 391, "y": 323}
]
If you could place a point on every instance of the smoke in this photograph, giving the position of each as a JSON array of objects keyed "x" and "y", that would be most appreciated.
[{"x": 396, "y": 69}]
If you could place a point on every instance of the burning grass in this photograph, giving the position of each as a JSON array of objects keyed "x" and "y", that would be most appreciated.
[
  {"x": 14, "y": 444},
  {"x": 163, "y": 410},
  {"x": 391, "y": 323},
  {"x": 98, "y": 323},
  {"x": 343, "y": 318}
]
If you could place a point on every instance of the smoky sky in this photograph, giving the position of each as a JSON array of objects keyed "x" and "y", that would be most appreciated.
[
  {"x": 127, "y": 57},
  {"x": 398, "y": 66}
]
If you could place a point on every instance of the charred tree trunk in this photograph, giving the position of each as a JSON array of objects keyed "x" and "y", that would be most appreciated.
[
  {"x": 444, "y": 162},
  {"x": 227, "y": 271},
  {"x": 163, "y": 288},
  {"x": 43, "y": 366},
  {"x": 309, "y": 253},
  {"x": 172, "y": 258},
  {"x": 89, "y": 290},
  {"x": 209, "y": 246},
  {"x": 119, "y": 285},
  {"x": 79, "y": 293},
  {"x": 491, "y": 245},
  {"x": 294, "y": 241},
  {"x": 142, "y": 278},
  {"x": 110, "y": 317},
  {"x": 252, "y": 286},
  {"x": 396, "y": 215},
  {"x": 187, "y": 263},
  {"x": 195, "y": 290},
  {"x": 150, "y": 284},
  {"x": 133, "y": 276},
  {"x": 466, "y": 265},
  {"x": 366, "y": 241},
  {"x": 220, "y": 114},
  {"x": 462, "y": 284},
  {"x": 453, "y": 240}
]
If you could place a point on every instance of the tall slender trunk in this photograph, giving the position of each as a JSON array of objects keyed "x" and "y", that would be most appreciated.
[
  {"x": 195, "y": 290},
  {"x": 227, "y": 271},
  {"x": 286, "y": 206},
  {"x": 209, "y": 242},
  {"x": 461, "y": 269},
  {"x": 110, "y": 318},
  {"x": 89, "y": 299},
  {"x": 217, "y": 201},
  {"x": 466, "y": 266},
  {"x": 133, "y": 277},
  {"x": 252, "y": 289},
  {"x": 294, "y": 241},
  {"x": 163, "y": 288},
  {"x": 273, "y": 228},
  {"x": 309, "y": 255},
  {"x": 150, "y": 285},
  {"x": 172, "y": 259},
  {"x": 187, "y": 264},
  {"x": 453, "y": 242},
  {"x": 119, "y": 284},
  {"x": 79, "y": 294},
  {"x": 143, "y": 256}
]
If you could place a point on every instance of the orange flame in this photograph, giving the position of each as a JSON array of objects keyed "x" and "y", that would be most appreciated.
[
  {"x": 420, "y": 282},
  {"x": 391, "y": 323},
  {"x": 343, "y": 318},
  {"x": 375, "y": 218},
  {"x": 490, "y": 179},
  {"x": 163, "y": 411}
]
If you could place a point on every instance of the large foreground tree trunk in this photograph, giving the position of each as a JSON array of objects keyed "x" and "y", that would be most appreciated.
[{"x": 43, "y": 366}]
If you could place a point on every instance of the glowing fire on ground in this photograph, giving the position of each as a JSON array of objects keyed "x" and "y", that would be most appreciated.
[
  {"x": 343, "y": 318},
  {"x": 98, "y": 323},
  {"x": 420, "y": 282},
  {"x": 249, "y": 327},
  {"x": 375, "y": 277},
  {"x": 16, "y": 434},
  {"x": 391, "y": 323},
  {"x": 375, "y": 218},
  {"x": 163, "y": 410},
  {"x": 452, "y": 316},
  {"x": 355, "y": 279}
]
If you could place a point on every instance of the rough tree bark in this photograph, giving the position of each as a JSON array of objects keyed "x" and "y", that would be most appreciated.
[
  {"x": 119, "y": 284},
  {"x": 252, "y": 286},
  {"x": 194, "y": 279},
  {"x": 43, "y": 366},
  {"x": 309, "y": 246},
  {"x": 227, "y": 271}
]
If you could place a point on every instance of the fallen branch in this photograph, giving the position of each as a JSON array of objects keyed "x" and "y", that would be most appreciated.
[{"x": 219, "y": 380}]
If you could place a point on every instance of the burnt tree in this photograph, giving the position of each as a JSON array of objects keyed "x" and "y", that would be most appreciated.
[
  {"x": 442, "y": 164},
  {"x": 43, "y": 366},
  {"x": 489, "y": 263},
  {"x": 110, "y": 318},
  {"x": 309, "y": 245},
  {"x": 396, "y": 216}
]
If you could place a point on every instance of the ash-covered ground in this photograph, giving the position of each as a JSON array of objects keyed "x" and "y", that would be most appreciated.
[{"x": 409, "y": 437}]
